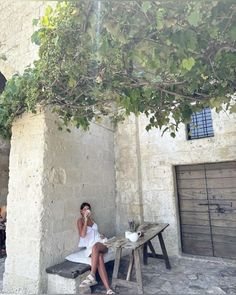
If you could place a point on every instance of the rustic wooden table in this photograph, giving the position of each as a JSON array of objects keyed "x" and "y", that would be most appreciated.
[{"x": 150, "y": 231}]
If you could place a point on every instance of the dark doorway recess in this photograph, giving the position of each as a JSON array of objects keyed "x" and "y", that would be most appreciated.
[{"x": 2, "y": 82}]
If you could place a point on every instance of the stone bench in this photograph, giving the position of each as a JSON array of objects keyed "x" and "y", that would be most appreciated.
[{"x": 65, "y": 278}]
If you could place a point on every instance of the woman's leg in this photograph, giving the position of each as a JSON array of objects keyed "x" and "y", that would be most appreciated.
[
  {"x": 103, "y": 272},
  {"x": 97, "y": 249}
]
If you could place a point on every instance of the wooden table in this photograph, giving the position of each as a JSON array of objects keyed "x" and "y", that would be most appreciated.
[{"x": 150, "y": 231}]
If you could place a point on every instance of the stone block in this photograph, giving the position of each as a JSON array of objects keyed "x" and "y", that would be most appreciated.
[{"x": 61, "y": 285}]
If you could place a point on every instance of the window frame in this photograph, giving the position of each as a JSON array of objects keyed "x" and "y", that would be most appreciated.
[{"x": 205, "y": 129}]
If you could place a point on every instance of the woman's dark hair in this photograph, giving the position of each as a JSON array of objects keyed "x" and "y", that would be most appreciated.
[{"x": 85, "y": 204}]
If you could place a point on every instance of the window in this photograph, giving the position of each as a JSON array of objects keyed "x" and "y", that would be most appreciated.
[{"x": 201, "y": 125}]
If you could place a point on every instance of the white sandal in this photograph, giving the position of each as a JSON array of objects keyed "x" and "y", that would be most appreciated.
[
  {"x": 88, "y": 282},
  {"x": 110, "y": 291}
]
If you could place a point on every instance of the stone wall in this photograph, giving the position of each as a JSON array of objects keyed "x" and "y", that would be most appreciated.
[
  {"x": 51, "y": 174},
  {"x": 157, "y": 158},
  {"x": 78, "y": 167},
  {"x": 15, "y": 43},
  {"x": 16, "y": 31},
  {"x": 25, "y": 206},
  {"x": 4, "y": 170},
  {"x": 128, "y": 173}
]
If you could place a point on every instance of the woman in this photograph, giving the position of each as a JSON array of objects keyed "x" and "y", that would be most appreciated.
[{"x": 92, "y": 240}]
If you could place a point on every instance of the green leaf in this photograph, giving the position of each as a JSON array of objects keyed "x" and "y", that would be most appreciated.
[
  {"x": 157, "y": 79},
  {"x": 146, "y": 6},
  {"x": 35, "y": 22},
  {"x": 48, "y": 10},
  {"x": 45, "y": 21},
  {"x": 160, "y": 18},
  {"x": 72, "y": 82},
  {"x": 35, "y": 38},
  {"x": 188, "y": 63},
  {"x": 216, "y": 102},
  {"x": 232, "y": 33},
  {"x": 194, "y": 18}
]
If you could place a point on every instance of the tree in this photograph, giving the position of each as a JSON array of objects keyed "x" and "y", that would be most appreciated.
[{"x": 166, "y": 58}]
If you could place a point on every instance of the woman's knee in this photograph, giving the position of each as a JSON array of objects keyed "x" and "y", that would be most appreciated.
[
  {"x": 99, "y": 248},
  {"x": 96, "y": 247}
]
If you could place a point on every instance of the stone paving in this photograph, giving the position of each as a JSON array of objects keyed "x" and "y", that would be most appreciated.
[
  {"x": 2, "y": 267},
  {"x": 188, "y": 275}
]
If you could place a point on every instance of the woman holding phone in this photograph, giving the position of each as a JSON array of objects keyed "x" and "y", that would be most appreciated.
[{"x": 93, "y": 241}]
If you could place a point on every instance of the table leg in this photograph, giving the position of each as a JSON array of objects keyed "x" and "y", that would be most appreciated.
[
  {"x": 130, "y": 268},
  {"x": 152, "y": 249},
  {"x": 163, "y": 248},
  {"x": 145, "y": 254},
  {"x": 138, "y": 271},
  {"x": 116, "y": 267}
]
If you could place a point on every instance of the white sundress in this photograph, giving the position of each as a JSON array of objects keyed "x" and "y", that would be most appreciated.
[{"x": 92, "y": 237}]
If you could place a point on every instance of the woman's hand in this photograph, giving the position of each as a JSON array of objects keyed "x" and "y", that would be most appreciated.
[{"x": 87, "y": 214}]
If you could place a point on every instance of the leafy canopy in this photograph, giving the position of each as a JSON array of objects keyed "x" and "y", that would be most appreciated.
[{"x": 166, "y": 58}]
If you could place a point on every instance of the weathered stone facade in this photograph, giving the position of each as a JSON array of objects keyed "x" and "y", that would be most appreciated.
[
  {"x": 126, "y": 173},
  {"x": 145, "y": 174},
  {"x": 15, "y": 35},
  {"x": 51, "y": 172},
  {"x": 15, "y": 44},
  {"x": 4, "y": 170}
]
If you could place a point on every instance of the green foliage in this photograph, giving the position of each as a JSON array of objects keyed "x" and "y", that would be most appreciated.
[{"x": 166, "y": 59}]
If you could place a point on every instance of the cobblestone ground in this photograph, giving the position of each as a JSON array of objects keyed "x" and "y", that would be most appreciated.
[
  {"x": 2, "y": 267},
  {"x": 187, "y": 276}
]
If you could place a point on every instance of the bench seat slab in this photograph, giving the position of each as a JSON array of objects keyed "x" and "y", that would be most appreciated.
[{"x": 68, "y": 269}]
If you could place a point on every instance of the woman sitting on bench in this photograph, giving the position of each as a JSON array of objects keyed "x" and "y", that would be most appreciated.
[{"x": 93, "y": 241}]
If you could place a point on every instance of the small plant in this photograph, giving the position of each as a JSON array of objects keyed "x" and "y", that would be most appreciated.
[{"x": 133, "y": 226}]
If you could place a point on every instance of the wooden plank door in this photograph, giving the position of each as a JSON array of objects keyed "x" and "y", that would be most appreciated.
[
  {"x": 221, "y": 190},
  {"x": 194, "y": 218},
  {"x": 207, "y": 205}
]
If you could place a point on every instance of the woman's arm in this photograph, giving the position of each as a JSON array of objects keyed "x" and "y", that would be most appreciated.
[{"x": 82, "y": 227}]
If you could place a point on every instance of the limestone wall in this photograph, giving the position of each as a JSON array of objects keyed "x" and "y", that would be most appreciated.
[
  {"x": 15, "y": 43},
  {"x": 25, "y": 206},
  {"x": 15, "y": 34},
  {"x": 78, "y": 167},
  {"x": 4, "y": 170},
  {"x": 51, "y": 174},
  {"x": 158, "y": 156},
  {"x": 128, "y": 173}
]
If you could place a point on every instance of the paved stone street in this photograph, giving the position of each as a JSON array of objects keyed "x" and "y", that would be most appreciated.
[
  {"x": 187, "y": 276},
  {"x": 2, "y": 267}
]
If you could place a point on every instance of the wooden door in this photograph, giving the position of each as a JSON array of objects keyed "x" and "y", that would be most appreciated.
[{"x": 207, "y": 207}]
